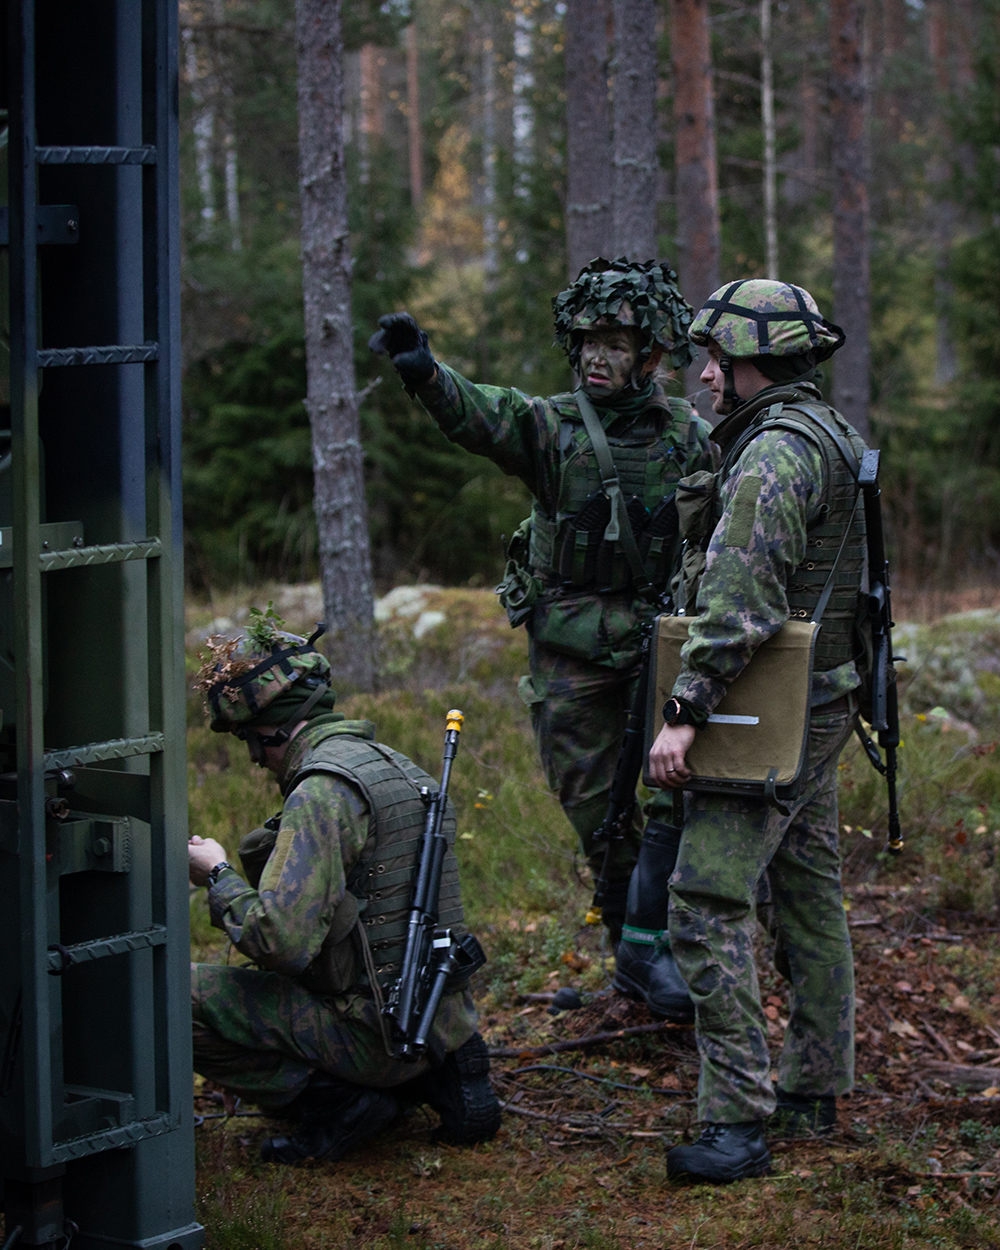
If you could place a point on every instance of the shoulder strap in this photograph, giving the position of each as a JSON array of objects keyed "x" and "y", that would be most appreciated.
[{"x": 619, "y": 528}]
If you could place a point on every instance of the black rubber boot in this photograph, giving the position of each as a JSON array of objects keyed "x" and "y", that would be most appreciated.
[
  {"x": 645, "y": 968},
  {"x": 803, "y": 1115},
  {"x": 723, "y": 1153},
  {"x": 460, "y": 1092},
  {"x": 341, "y": 1118}
]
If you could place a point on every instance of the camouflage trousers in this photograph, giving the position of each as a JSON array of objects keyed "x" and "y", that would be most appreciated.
[
  {"x": 727, "y": 846},
  {"x": 579, "y": 710},
  {"x": 260, "y": 1035}
]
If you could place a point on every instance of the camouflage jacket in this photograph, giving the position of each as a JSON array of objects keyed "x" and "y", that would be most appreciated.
[
  {"x": 742, "y": 597},
  {"x": 529, "y": 438},
  {"x": 281, "y": 926}
]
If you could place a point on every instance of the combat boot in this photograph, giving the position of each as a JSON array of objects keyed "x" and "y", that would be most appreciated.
[
  {"x": 644, "y": 966},
  {"x": 333, "y": 1118},
  {"x": 723, "y": 1153},
  {"x": 460, "y": 1092},
  {"x": 803, "y": 1115}
]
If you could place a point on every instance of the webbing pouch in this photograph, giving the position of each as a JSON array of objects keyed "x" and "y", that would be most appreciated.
[
  {"x": 255, "y": 849},
  {"x": 519, "y": 589}
]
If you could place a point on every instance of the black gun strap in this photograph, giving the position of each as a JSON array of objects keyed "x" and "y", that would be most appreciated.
[
  {"x": 824, "y": 598},
  {"x": 619, "y": 527}
]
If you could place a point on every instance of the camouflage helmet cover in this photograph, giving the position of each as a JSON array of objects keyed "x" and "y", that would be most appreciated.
[
  {"x": 762, "y": 317},
  {"x": 620, "y": 292},
  {"x": 242, "y": 677}
]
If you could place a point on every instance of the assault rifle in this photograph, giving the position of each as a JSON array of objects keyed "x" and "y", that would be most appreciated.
[
  {"x": 432, "y": 955},
  {"x": 884, "y": 705},
  {"x": 622, "y": 801}
]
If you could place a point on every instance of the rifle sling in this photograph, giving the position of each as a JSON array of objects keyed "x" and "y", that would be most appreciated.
[{"x": 619, "y": 527}]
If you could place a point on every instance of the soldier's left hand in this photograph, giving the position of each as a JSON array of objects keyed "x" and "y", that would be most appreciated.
[
  {"x": 203, "y": 855},
  {"x": 667, "y": 767}
]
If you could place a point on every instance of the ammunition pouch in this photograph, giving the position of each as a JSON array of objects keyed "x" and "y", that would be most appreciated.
[
  {"x": 587, "y": 560},
  {"x": 519, "y": 590},
  {"x": 255, "y": 849},
  {"x": 697, "y": 514}
]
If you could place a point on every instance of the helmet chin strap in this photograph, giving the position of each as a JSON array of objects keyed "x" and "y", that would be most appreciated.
[{"x": 730, "y": 398}]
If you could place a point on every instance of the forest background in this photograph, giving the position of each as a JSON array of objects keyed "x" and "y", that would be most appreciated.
[{"x": 456, "y": 135}]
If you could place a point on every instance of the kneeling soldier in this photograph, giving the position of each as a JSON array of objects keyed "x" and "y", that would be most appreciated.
[{"x": 321, "y": 910}]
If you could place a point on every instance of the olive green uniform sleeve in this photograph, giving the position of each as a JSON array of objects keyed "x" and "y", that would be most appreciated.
[
  {"x": 775, "y": 490},
  {"x": 281, "y": 926},
  {"x": 516, "y": 432}
]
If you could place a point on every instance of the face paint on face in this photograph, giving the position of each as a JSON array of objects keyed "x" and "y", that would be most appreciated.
[{"x": 607, "y": 358}]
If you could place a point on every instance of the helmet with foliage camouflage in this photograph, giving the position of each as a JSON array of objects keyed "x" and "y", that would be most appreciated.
[
  {"x": 246, "y": 680},
  {"x": 760, "y": 317},
  {"x": 622, "y": 293}
]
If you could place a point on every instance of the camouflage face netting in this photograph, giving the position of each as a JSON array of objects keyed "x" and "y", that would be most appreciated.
[
  {"x": 761, "y": 317},
  {"x": 241, "y": 677},
  {"x": 617, "y": 292}
]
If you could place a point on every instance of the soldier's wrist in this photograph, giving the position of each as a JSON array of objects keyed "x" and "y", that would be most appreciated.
[
  {"x": 216, "y": 872},
  {"x": 682, "y": 712}
]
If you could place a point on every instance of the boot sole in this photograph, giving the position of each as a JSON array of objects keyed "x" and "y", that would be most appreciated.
[{"x": 622, "y": 983}]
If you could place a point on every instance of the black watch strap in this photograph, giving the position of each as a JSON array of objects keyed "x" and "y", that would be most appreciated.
[
  {"x": 217, "y": 871},
  {"x": 675, "y": 713}
]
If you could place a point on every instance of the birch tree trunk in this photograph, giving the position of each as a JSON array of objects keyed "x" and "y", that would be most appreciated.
[
  {"x": 850, "y": 213},
  {"x": 341, "y": 513},
  {"x": 694, "y": 145},
  {"x": 491, "y": 226},
  {"x": 588, "y": 136},
  {"x": 633, "y": 202}
]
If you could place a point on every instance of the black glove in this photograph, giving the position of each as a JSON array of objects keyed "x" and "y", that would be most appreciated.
[{"x": 406, "y": 344}]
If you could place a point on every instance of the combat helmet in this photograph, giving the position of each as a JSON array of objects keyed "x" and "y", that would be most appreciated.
[
  {"x": 266, "y": 677},
  {"x": 626, "y": 293},
  {"x": 775, "y": 325}
]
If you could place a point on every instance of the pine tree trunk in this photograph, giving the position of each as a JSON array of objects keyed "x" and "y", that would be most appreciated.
[
  {"x": 850, "y": 213},
  {"x": 633, "y": 203},
  {"x": 694, "y": 145},
  {"x": 341, "y": 513},
  {"x": 588, "y": 135},
  {"x": 413, "y": 115},
  {"x": 768, "y": 127},
  {"x": 943, "y": 211}
]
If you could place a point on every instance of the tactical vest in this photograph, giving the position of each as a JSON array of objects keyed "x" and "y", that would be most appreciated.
[
  {"x": 841, "y": 448},
  {"x": 651, "y": 454},
  {"x": 380, "y": 884}
]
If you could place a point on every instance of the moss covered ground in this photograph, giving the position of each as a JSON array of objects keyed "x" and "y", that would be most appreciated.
[{"x": 579, "y": 1161}]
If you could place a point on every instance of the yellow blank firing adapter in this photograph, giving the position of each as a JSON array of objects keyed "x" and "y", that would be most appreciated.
[
  {"x": 594, "y": 916},
  {"x": 455, "y": 719}
]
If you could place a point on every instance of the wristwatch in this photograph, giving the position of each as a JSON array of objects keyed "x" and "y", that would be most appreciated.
[
  {"x": 215, "y": 872},
  {"x": 675, "y": 713}
]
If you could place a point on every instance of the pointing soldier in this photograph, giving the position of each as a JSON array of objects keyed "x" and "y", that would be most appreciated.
[
  {"x": 320, "y": 909},
  {"x": 569, "y": 577},
  {"x": 787, "y": 496}
]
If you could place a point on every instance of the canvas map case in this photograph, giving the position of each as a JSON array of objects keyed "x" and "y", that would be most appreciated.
[{"x": 755, "y": 741}]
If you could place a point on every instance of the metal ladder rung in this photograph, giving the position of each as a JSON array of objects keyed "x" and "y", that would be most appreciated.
[
  {"x": 58, "y": 356},
  {"x": 145, "y": 155},
  {"x": 94, "y": 752},
  {"x": 106, "y": 553},
  {"x": 63, "y": 957}
]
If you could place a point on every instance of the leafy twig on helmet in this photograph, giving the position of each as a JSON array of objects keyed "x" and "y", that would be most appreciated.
[
  {"x": 222, "y": 666},
  {"x": 265, "y": 628}
]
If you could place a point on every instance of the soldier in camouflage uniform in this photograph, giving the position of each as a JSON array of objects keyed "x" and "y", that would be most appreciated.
[
  {"x": 568, "y": 578},
  {"x": 320, "y": 910},
  {"x": 786, "y": 506}
]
